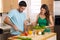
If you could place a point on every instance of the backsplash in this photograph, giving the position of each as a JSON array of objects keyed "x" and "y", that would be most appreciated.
[
  {"x": 0, "y": 18},
  {"x": 3, "y": 16}
]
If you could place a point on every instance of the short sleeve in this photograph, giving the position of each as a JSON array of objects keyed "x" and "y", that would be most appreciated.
[{"x": 10, "y": 14}]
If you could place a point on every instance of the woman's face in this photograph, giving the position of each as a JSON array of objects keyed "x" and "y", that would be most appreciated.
[{"x": 43, "y": 10}]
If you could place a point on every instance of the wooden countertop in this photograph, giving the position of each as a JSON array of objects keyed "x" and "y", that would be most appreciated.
[
  {"x": 40, "y": 37},
  {"x": 48, "y": 35}
]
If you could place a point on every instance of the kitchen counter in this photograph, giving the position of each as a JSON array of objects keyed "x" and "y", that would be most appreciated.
[
  {"x": 4, "y": 32},
  {"x": 5, "y": 26},
  {"x": 46, "y": 36},
  {"x": 4, "y": 29}
]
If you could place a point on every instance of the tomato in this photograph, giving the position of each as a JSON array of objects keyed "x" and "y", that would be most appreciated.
[{"x": 26, "y": 33}]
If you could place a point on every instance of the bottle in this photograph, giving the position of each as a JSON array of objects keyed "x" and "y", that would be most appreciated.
[{"x": 43, "y": 33}]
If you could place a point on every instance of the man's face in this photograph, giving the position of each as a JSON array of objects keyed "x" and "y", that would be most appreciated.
[{"x": 21, "y": 8}]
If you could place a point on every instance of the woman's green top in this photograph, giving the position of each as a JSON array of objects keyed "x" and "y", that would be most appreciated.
[{"x": 43, "y": 23}]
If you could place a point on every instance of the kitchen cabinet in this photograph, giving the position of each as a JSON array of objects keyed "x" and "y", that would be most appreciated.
[
  {"x": 8, "y": 5},
  {"x": 49, "y": 3}
]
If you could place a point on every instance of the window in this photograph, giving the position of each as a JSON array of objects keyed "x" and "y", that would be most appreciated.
[
  {"x": 35, "y": 6},
  {"x": 35, "y": 9}
]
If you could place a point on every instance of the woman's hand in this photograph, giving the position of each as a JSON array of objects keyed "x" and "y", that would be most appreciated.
[{"x": 33, "y": 23}]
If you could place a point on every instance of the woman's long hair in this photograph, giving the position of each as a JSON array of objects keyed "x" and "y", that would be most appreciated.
[{"x": 47, "y": 14}]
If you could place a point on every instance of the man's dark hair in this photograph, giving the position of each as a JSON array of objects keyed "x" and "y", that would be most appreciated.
[{"x": 22, "y": 3}]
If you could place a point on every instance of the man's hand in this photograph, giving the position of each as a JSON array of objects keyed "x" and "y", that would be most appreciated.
[
  {"x": 20, "y": 31},
  {"x": 15, "y": 28},
  {"x": 25, "y": 25}
]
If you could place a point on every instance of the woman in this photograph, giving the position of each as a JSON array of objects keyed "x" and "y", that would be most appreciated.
[{"x": 44, "y": 18}]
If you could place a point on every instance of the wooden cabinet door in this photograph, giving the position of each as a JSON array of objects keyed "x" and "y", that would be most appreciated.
[
  {"x": 6, "y": 5},
  {"x": 9, "y": 4},
  {"x": 14, "y": 4},
  {"x": 49, "y": 3}
]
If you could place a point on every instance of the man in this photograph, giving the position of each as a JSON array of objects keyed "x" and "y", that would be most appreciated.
[{"x": 16, "y": 19}]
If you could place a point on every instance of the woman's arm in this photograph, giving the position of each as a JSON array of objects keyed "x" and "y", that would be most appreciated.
[
  {"x": 51, "y": 21},
  {"x": 35, "y": 23}
]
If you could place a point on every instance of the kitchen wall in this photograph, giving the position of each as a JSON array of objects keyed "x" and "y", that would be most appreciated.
[
  {"x": 0, "y": 20},
  {"x": 0, "y": 6},
  {"x": 57, "y": 7},
  {"x": 3, "y": 17}
]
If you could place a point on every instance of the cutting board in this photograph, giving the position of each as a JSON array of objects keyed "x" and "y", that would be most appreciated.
[{"x": 37, "y": 37}]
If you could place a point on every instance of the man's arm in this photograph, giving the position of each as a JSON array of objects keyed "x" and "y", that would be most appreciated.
[
  {"x": 25, "y": 25},
  {"x": 7, "y": 21}
]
